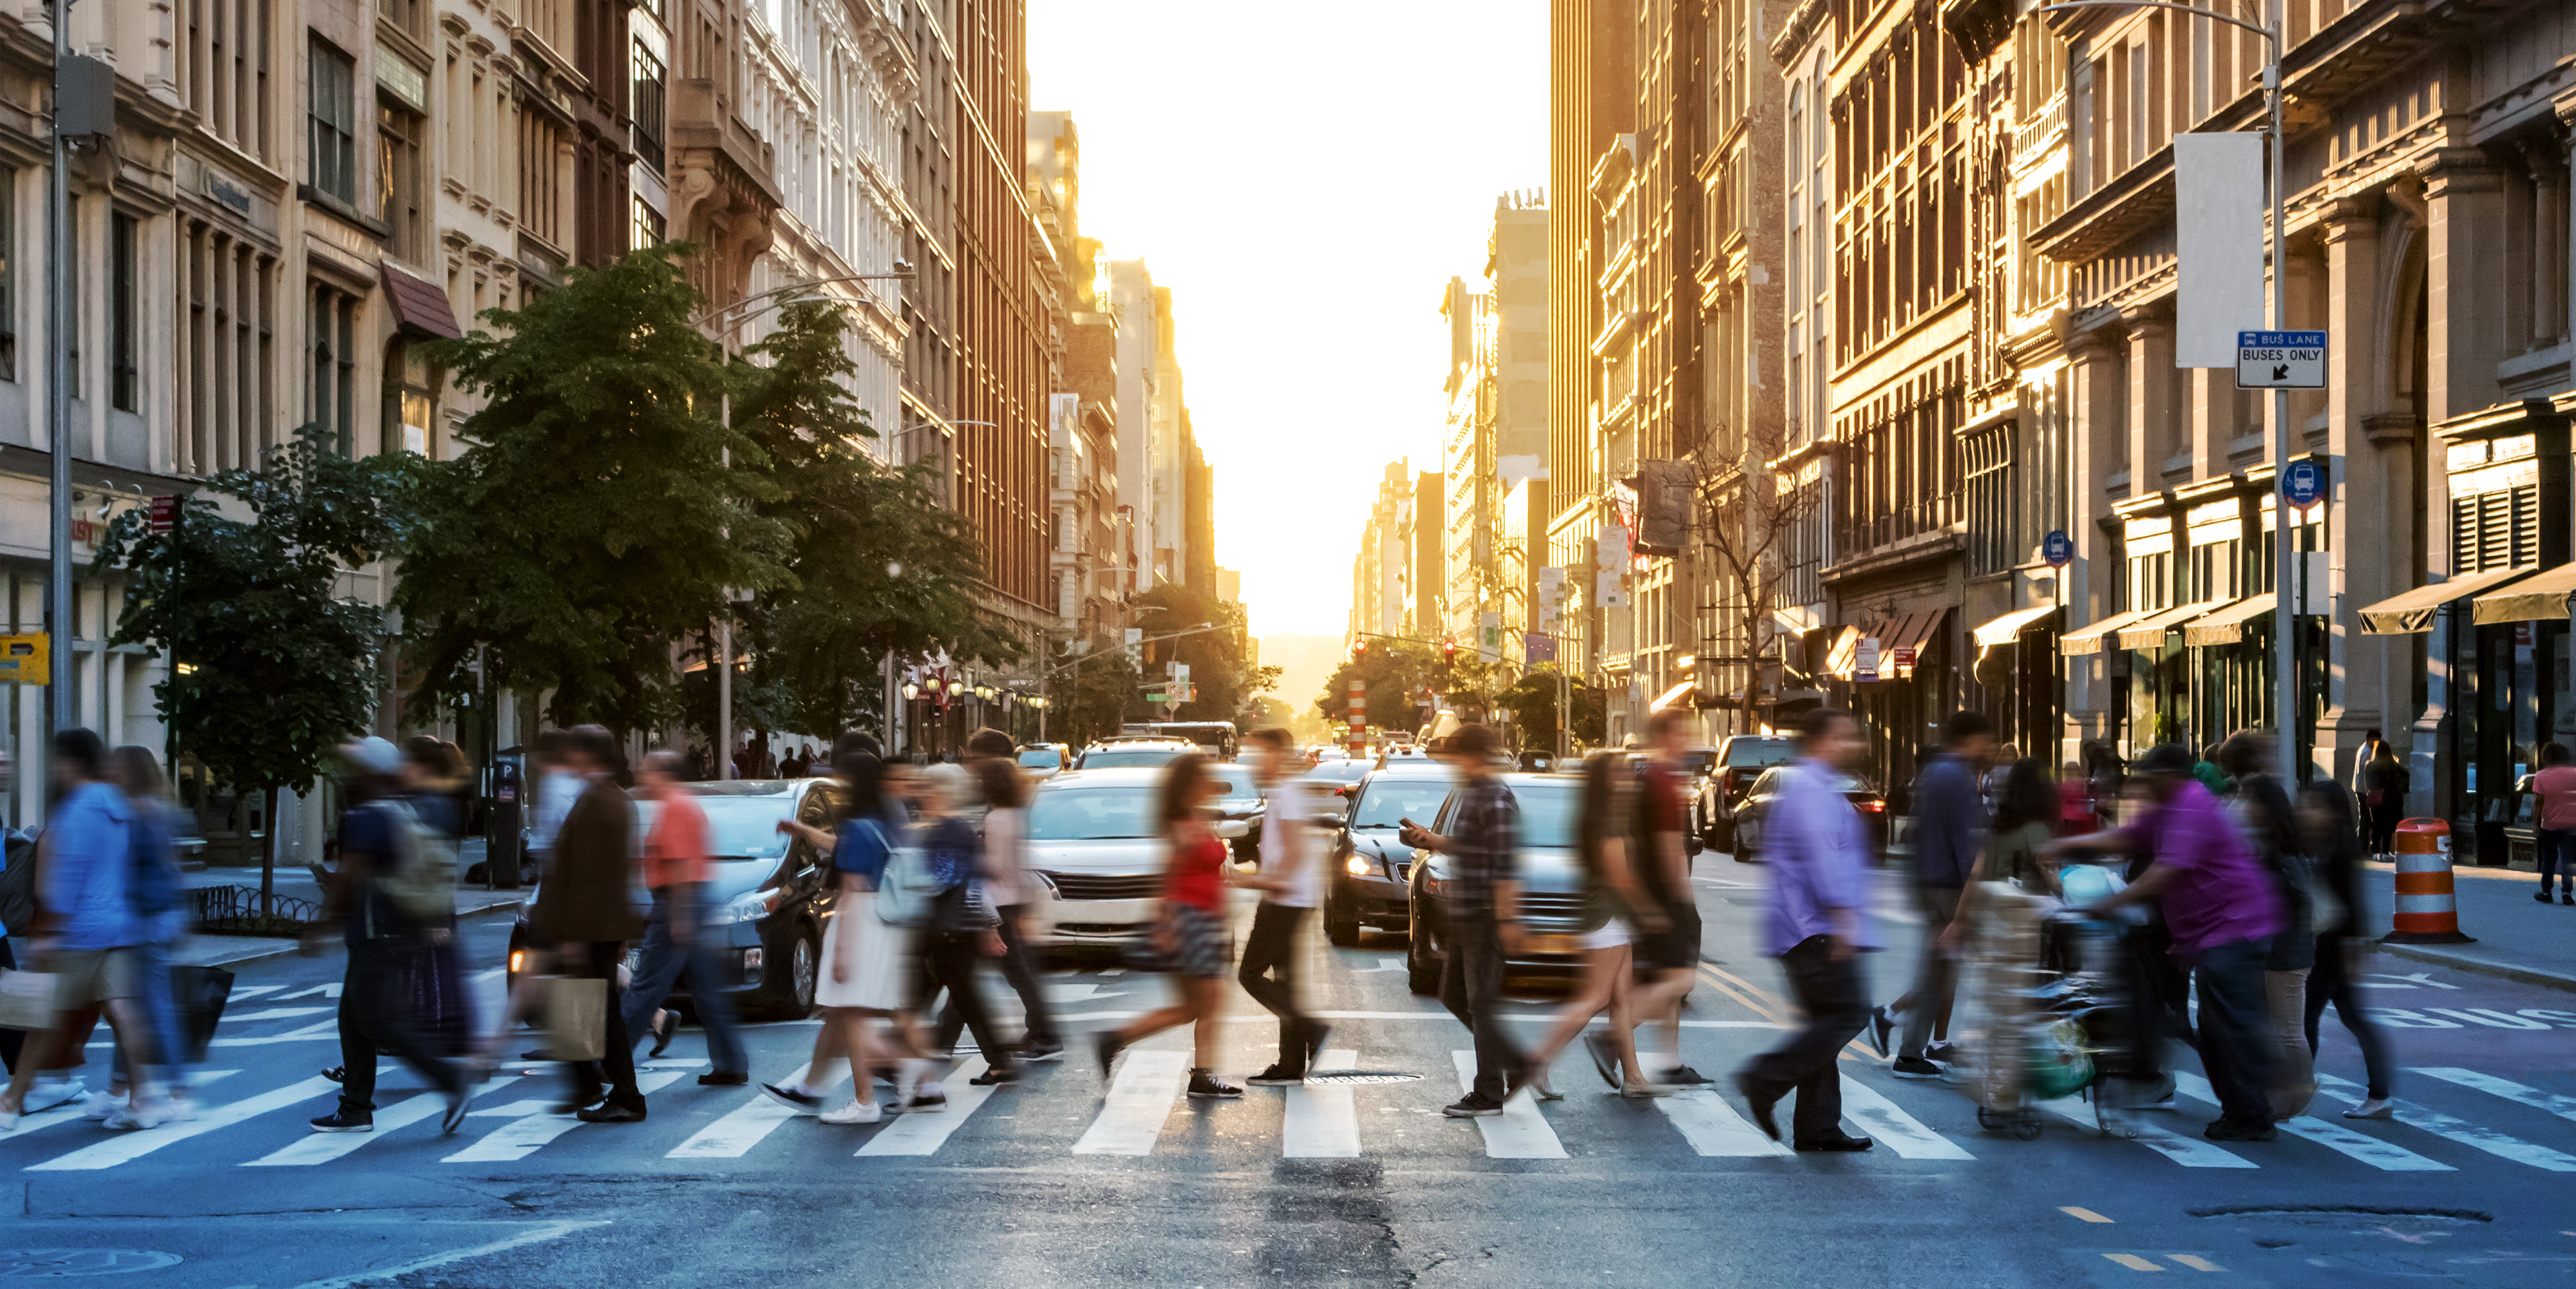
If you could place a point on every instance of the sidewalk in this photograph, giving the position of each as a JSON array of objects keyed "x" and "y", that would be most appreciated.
[
  {"x": 2517, "y": 937},
  {"x": 296, "y": 882}
]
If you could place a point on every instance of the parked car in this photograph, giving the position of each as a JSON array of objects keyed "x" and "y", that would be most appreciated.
[
  {"x": 1369, "y": 866},
  {"x": 769, "y": 892},
  {"x": 1747, "y": 825},
  {"x": 1549, "y": 873},
  {"x": 1096, "y": 857},
  {"x": 1043, "y": 761},
  {"x": 1332, "y": 777},
  {"x": 1739, "y": 760},
  {"x": 1132, "y": 753}
]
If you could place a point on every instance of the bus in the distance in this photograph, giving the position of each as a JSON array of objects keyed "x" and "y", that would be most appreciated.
[{"x": 1216, "y": 738}]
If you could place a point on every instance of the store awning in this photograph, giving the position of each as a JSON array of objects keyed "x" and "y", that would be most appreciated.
[
  {"x": 2226, "y": 625},
  {"x": 1913, "y": 631},
  {"x": 2149, "y": 632},
  {"x": 2088, "y": 639},
  {"x": 1838, "y": 659},
  {"x": 2002, "y": 630},
  {"x": 2539, "y": 598},
  {"x": 2412, "y": 613}
]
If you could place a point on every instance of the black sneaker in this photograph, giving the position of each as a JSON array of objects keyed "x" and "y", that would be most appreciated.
[
  {"x": 1683, "y": 1076},
  {"x": 996, "y": 1076},
  {"x": 723, "y": 1079},
  {"x": 1942, "y": 1053},
  {"x": 455, "y": 1116},
  {"x": 1204, "y": 1084},
  {"x": 1605, "y": 1059},
  {"x": 1840, "y": 1141},
  {"x": 1277, "y": 1076},
  {"x": 929, "y": 1101},
  {"x": 1915, "y": 1067},
  {"x": 345, "y": 1119},
  {"x": 1472, "y": 1106},
  {"x": 613, "y": 1111},
  {"x": 2543, "y": 897},
  {"x": 1105, "y": 1045},
  {"x": 2567, "y": 897},
  {"x": 1759, "y": 1105},
  {"x": 794, "y": 1098},
  {"x": 2222, "y": 1130},
  {"x": 1317, "y": 1032},
  {"x": 340, "y": 1073},
  {"x": 576, "y": 1107},
  {"x": 1036, "y": 1051},
  {"x": 1881, "y": 1024}
]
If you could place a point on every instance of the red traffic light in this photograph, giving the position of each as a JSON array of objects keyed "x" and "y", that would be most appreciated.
[
  {"x": 1448, "y": 651},
  {"x": 1359, "y": 649}
]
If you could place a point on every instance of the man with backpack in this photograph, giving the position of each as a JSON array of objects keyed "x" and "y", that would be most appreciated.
[{"x": 394, "y": 890}]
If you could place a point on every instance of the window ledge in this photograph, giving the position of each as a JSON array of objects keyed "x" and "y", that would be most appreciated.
[{"x": 341, "y": 210}]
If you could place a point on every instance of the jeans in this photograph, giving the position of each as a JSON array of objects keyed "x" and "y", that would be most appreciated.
[
  {"x": 12, "y": 1041},
  {"x": 1269, "y": 974},
  {"x": 2557, "y": 848},
  {"x": 1837, "y": 1006},
  {"x": 949, "y": 960},
  {"x": 597, "y": 960},
  {"x": 372, "y": 1021},
  {"x": 2331, "y": 982},
  {"x": 2238, "y": 1048},
  {"x": 160, "y": 1007},
  {"x": 664, "y": 960},
  {"x": 1471, "y": 987},
  {"x": 1936, "y": 976},
  {"x": 1019, "y": 968}
]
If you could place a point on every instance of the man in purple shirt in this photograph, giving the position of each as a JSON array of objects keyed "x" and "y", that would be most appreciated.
[
  {"x": 2223, "y": 912},
  {"x": 1817, "y": 927}
]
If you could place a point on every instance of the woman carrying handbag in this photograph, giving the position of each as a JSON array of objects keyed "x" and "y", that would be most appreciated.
[{"x": 1191, "y": 931}]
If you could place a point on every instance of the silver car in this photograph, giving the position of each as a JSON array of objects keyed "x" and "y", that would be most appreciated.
[{"x": 1096, "y": 856}]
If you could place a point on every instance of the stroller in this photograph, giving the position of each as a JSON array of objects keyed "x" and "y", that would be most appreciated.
[{"x": 2056, "y": 994}]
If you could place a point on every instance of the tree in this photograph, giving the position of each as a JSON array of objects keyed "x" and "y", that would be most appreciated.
[
  {"x": 1397, "y": 672},
  {"x": 1532, "y": 703},
  {"x": 270, "y": 669},
  {"x": 1220, "y": 667},
  {"x": 874, "y": 563},
  {"x": 601, "y": 511},
  {"x": 1094, "y": 696},
  {"x": 1750, "y": 512}
]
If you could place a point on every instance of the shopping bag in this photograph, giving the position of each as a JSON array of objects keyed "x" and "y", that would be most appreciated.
[
  {"x": 577, "y": 1018},
  {"x": 26, "y": 1000},
  {"x": 201, "y": 993}
]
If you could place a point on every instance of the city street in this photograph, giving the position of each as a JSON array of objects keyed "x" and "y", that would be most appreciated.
[{"x": 1051, "y": 1184}]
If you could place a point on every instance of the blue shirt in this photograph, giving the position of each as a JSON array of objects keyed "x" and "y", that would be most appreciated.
[
  {"x": 367, "y": 830},
  {"x": 859, "y": 850},
  {"x": 1949, "y": 822},
  {"x": 1819, "y": 857},
  {"x": 88, "y": 869},
  {"x": 956, "y": 851}
]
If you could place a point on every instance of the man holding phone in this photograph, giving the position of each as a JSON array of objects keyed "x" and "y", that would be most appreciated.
[{"x": 1480, "y": 897}]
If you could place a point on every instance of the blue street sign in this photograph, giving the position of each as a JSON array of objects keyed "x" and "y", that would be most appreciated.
[
  {"x": 2303, "y": 483},
  {"x": 2057, "y": 548}
]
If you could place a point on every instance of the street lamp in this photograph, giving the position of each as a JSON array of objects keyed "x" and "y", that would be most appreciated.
[
  {"x": 743, "y": 311},
  {"x": 2285, "y": 661}
]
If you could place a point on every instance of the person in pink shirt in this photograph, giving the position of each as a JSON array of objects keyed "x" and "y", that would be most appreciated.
[{"x": 2555, "y": 785}]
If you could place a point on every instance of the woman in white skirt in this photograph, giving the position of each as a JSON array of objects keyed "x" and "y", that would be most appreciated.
[
  {"x": 865, "y": 964},
  {"x": 1613, "y": 901}
]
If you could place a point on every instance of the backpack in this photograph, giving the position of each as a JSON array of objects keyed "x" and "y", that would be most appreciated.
[
  {"x": 18, "y": 887},
  {"x": 907, "y": 891},
  {"x": 423, "y": 883}
]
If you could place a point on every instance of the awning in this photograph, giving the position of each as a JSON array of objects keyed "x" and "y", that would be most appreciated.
[
  {"x": 2088, "y": 639},
  {"x": 419, "y": 305},
  {"x": 2540, "y": 598},
  {"x": 2149, "y": 632},
  {"x": 2226, "y": 625},
  {"x": 1846, "y": 649},
  {"x": 1913, "y": 631},
  {"x": 2002, "y": 630},
  {"x": 1672, "y": 695},
  {"x": 2412, "y": 613}
]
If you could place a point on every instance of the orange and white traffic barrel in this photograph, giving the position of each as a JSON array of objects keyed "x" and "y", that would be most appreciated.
[{"x": 2428, "y": 910}]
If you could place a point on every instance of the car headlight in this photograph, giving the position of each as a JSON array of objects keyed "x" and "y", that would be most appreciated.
[
  {"x": 1358, "y": 865},
  {"x": 750, "y": 906}
]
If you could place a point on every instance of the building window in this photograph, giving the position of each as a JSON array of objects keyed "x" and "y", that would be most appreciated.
[
  {"x": 649, "y": 92},
  {"x": 8, "y": 273},
  {"x": 331, "y": 400},
  {"x": 649, "y": 229},
  {"x": 401, "y": 196},
  {"x": 541, "y": 175},
  {"x": 124, "y": 329},
  {"x": 409, "y": 15},
  {"x": 228, "y": 289},
  {"x": 410, "y": 397},
  {"x": 331, "y": 124},
  {"x": 224, "y": 74}
]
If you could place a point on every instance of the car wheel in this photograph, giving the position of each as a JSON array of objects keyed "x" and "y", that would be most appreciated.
[
  {"x": 1421, "y": 969},
  {"x": 1721, "y": 835},
  {"x": 1748, "y": 844},
  {"x": 1341, "y": 917},
  {"x": 805, "y": 966}
]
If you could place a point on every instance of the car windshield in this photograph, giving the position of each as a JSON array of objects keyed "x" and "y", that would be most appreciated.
[
  {"x": 745, "y": 827},
  {"x": 1752, "y": 753},
  {"x": 1092, "y": 814},
  {"x": 1547, "y": 814},
  {"x": 1231, "y": 783},
  {"x": 1697, "y": 762},
  {"x": 1128, "y": 758},
  {"x": 1388, "y": 802},
  {"x": 1041, "y": 758}
]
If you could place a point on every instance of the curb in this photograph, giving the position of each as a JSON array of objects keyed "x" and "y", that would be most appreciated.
[
  {"x": 2519, "y": 975},
  {"x": 265, "y": 951}
]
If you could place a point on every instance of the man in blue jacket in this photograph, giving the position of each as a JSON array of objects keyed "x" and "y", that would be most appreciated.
[{"x": 1949, "y": 830}]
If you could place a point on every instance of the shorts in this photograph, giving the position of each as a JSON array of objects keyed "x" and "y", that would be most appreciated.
[
  {"x": 1610, "y": 935},
  {"x": 83, "y": 977},
  {"x": 1206, "y": 946},
  {"x": 1676, "y": 947}
]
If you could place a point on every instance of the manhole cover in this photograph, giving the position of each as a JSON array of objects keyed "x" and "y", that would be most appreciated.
[
  {"x": 30, "y": 1264},
  {"x": 1354, "y": 1078}
]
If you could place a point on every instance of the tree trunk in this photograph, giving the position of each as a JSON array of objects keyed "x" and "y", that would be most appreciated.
[{"x": 268, "y": 850}]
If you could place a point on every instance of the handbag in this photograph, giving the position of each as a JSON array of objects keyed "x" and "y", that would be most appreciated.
[
  {"x": 576, "y": 1018},
  {"x": 200, "y": 993},
  {"x": 26, "y": 1000}
]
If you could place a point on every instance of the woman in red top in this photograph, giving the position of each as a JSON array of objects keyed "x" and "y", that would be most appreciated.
[{"x": 1192, "y": 929}]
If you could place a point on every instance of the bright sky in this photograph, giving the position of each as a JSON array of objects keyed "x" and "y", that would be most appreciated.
[{"x": 1306, "y": 180}]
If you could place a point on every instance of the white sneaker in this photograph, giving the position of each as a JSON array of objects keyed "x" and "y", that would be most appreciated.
[
  {"x": 2373, "y": 1108},
  {"x": 50, "y": 1091},
  {"x": 98, "y": 1105},
  {"x": 859, "y": 1110},
  {"x": 145, "y": 1112}
]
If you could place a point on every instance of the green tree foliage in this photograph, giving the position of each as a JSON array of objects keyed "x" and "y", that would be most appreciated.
[
  {"x": 1220, "y": 664},
  {"x": 1397, "y": 673},
  {"x": 874, "y": 561},
  {"x": 1094, "y": 697},
  {"x": 271, "y": 669},
  {"x": 1532, "y": 703},
  {"x": 601, "y": 510}
]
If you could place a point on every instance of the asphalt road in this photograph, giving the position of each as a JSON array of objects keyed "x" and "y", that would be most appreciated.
[{"x": 1052, "y": 1184}]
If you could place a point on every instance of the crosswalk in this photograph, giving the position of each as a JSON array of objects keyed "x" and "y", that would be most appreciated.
[{"x": 1064, "y": 1110}]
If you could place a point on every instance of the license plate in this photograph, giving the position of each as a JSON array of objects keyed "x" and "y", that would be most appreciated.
[{"x": 1553, "y": 943}]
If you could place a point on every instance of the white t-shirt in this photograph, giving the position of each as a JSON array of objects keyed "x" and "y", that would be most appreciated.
[
  {"x": 555, "y": 793},
  {"x": 1291, "y": 799},
  {"x": 1005, "y": 837}
]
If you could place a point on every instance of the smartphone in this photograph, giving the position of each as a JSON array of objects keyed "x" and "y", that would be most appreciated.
[{"x": 1409, "y": 823}]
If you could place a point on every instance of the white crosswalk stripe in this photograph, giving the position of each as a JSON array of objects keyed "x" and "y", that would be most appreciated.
[
  {"x": 323, "y": 1147},
  {"x": 925, "y": 1133},
  {"x": 1139, "y": 1100},
  {"x": 1520, "y": 1131},
  {"x": 2333, "y": 1136},
  {"x": 1895, "y": 1129},
  {"x": 2190, "y": 1152},
  {"x": 520, "y": 1138},
  {"x": 1321, "y": 1122},
  {"x": 2561, "y": 1106},
  {"x": 71, "y": 1110},
  {"x": 1712, "y": 1127},
  {"x": 2469, "y": 1134},
  {"x": 129, "y": 1146},
  {"x": 733, "y": 1136}
]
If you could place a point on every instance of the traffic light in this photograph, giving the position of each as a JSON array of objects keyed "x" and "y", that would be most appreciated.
[
  {"x": 1135, "y": 648},
  {"x": 1359, "y": 650},
  {"x": 1448, "y": 659}
]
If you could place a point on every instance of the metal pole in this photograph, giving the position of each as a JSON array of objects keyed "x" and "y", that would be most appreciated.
[
  {"x": 58, "y": 403},
  {"x": 2285, "y": 646},
  {"x": 724, "y": 636}
]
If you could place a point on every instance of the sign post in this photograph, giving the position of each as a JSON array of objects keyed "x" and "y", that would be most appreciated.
[
  {"x": 2303, "y": 486},
  {"x": 2281, "y": 361}
]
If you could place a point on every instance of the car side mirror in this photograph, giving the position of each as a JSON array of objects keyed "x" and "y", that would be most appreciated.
[{"x": 1233, "y": 829}]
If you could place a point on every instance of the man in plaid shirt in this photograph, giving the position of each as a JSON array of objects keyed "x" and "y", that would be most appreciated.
[{"x": 1480, "y": 895}]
